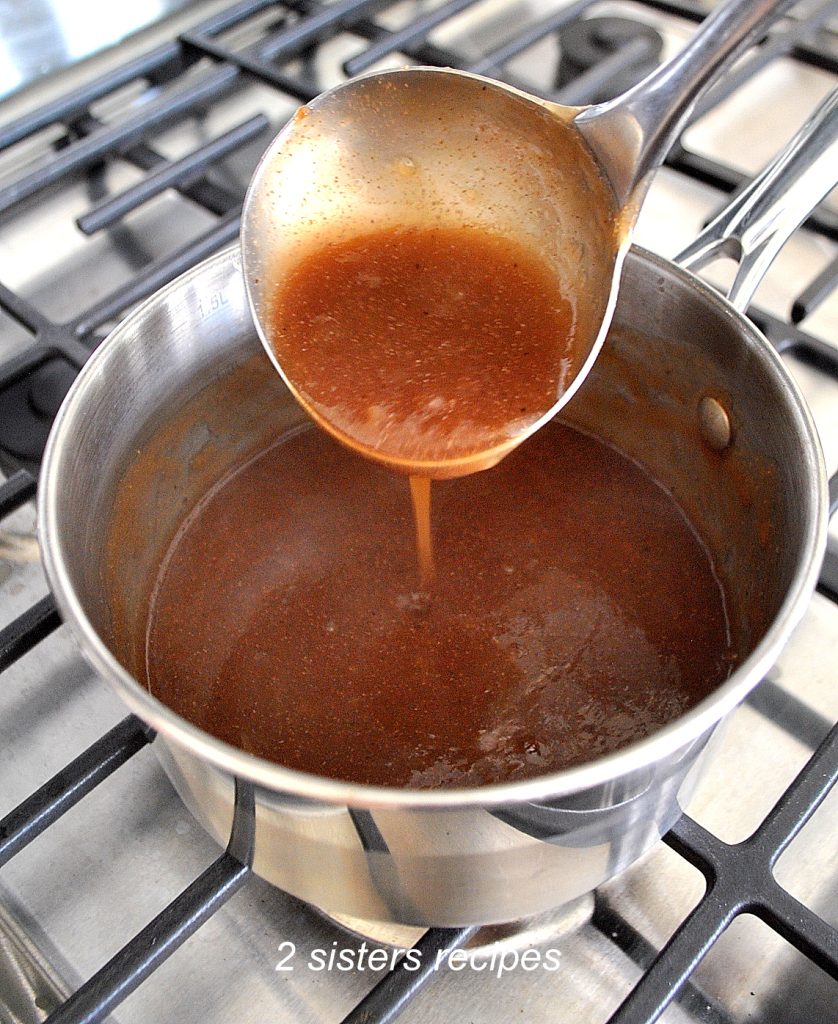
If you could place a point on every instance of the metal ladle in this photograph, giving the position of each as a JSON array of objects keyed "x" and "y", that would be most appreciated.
[{"x": 423, "y": 147}]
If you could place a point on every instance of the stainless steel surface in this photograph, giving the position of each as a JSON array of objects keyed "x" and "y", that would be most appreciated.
[
  {"x": 88, "y": 884},
  {"x": 460, "y": 856},
  {"x": 480, "y": 154},
  {"x": 41, "y": 37},
  {"x": 753, "y": 228}
]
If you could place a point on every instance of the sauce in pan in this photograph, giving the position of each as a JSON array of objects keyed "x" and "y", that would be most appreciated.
[{"x": 573, "y": 610}]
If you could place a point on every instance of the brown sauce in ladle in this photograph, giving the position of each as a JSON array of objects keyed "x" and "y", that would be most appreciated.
[{"x": 433, "y": 350}]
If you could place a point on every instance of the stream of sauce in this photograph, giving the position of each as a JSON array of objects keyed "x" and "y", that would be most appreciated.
[
  {"x": 573, "y": 610},
  {"x": 420, "y": 494}
]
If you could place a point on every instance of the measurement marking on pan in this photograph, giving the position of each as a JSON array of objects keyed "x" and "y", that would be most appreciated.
[{"x": 212, "y": 304}]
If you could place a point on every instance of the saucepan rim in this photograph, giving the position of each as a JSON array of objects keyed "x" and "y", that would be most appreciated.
[{"x": 276, "y": 778}]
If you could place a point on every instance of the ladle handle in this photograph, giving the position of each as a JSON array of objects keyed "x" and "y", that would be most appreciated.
[
  {"x": 759, "y": 220},
  {"x": 631, "y": 134}
]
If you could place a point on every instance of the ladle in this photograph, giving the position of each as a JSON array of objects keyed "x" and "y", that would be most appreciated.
[{"x": 429, "y": 147}]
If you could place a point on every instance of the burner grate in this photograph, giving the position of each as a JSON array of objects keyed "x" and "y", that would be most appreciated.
[
  {"x": 183, "y": 77},
  {"x": 739, "y": 880}
]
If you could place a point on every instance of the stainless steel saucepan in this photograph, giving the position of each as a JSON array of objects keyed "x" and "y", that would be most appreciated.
[{"x": 182, "y": 391}]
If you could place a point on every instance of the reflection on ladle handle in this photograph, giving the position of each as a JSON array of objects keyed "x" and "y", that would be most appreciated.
[
  {"x": 759, "y": 220},
  {"x": 631, "y": 134}
]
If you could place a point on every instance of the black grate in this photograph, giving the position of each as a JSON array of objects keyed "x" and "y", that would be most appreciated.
[{"x": 275, "y": 44}]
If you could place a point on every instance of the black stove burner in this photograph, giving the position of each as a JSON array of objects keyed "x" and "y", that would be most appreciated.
[
  {"x": 608, "y": 54},
  {"x": 27, "y": 408}
]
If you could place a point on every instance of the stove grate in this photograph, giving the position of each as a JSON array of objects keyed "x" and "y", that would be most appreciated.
[
  {"x": 811, "y": 297},
  {"x": 46, "y": 805},
  {"x": 740, "y": 880},
  {"x": 183, "y": 77}
]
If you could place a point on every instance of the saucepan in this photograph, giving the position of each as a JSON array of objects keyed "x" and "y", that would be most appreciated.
[{"x": 182, "y": 391}]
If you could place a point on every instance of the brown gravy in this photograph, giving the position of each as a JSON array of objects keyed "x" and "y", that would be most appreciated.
[
  {"x": 573, "y": 610},
  {"x": 424, "y": 344},
  {"x": 420, "y": 494}
]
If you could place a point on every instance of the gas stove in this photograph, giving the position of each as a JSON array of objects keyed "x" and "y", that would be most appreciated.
[{"x": 120, "y": 171}]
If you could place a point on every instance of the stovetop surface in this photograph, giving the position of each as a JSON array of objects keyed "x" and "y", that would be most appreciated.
[{"x": 97, "y": 876}]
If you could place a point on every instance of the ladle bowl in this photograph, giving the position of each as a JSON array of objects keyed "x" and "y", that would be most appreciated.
[{"x": 436, "y": 148}]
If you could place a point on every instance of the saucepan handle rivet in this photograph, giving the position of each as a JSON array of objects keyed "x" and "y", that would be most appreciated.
[{"x": 714, "y": 424}]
